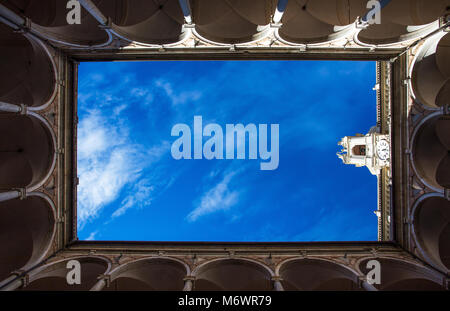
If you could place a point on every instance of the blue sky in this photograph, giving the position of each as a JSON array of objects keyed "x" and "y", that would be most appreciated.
[{"x": 132, "y": 189}]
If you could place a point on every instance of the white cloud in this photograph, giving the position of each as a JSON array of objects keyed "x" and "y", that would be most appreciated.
[
  {"x": 108, "y": 159},
  {"x": 92, "y": 80},
  {"x": 117, "y": 110},
  {"x": 93, "y": 135},
  {"x": 92, "y": 236},
  {"x": 177, "y": 98},
  {"x": 143, "y": 94},
  {"x": 140, "y": 197},
  {"x": 101, "y": 180},
  {"x": 107, "y": 162},
  {"x": 215, "y": 199}
]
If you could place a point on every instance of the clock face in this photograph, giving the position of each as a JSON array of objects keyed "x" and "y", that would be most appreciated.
[{"x": 383, "y": 149}]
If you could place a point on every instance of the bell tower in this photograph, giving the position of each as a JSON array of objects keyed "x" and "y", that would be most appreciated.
[{"x": 371, "y": 150}]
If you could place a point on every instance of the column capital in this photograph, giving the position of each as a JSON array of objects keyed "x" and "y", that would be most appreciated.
[
  {"x": 18, "y": 272},
  {"x": 23, "y": 109},
  {"x": 23, "y": 275},
  {"x": 446, "y": 283},
  {"x": 25, "y": 27},
  {"x": 106, "y": 278},
  {"x": 363, "y": 283},
  {"x": 189, "y": 278},
  {"x": 188, "y": 283},
  {"x": 277, "y": 286},
  {"x": 22, "y": 193}
]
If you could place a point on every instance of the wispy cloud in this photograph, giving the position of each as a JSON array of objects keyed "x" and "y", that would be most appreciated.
[
  {"x": 143, "y": 94},
  {"x": 178, "y": 98},
  {"x": 92, "y": 236},
  {"x": 217, "y": 198},
  {"x": 140, "y": 197},
  {"x": 108, "y": 161}
]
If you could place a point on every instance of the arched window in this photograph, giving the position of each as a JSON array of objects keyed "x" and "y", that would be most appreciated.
[{"x": 359, "y": 150}]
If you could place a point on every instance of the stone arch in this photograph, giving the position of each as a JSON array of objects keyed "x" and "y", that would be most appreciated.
[
  {"x": 430, "y": 151},
  {"x": 153, "y": 273},
  {"x": 27, "y": 228},
  {"x": 403, "y": 20},
  {"x": 53, "y": 275},
  {"x": 400, "y": 274},
  {"x": 416, "y": 12},
  {"x": 316, "y": 274},
  {"x": 391, "y": 33},
  {"x": 48, "y": 19},
  {"x": 142, "y": 20},
  {"x": 431, "y": 72},
  {"x": 336, "y": 12},
  {"x": 241, "y": 274},
  {"x": 359, "y": 150},
  {"x": 319, "y": 21},
  {"x": 29, "y": 76},
  {"x": 431, "y": 230},
  {"x": 27, "y": 151},
  {"x": 232, "y": 22}
]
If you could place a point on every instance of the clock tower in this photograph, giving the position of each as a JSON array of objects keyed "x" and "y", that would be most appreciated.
[{"x": 371, "y": 150}]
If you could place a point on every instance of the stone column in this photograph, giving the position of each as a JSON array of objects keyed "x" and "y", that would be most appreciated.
[
  {"x": 13, "y": 285},
  {"x": 9, "y": 195},
  {"x": 364, "y": 284},
  {"x": 188, "y": 283},
  {"x": 9, "y": 107},
  {"x": 446, "y": 284},
  {"x": 17, "y": 280},
  {"x": 185, "y": 7},
  {"x": 277, "y": 286},
  {"x": 94, "y": 11},
  {"x": 103, "y": 280}
]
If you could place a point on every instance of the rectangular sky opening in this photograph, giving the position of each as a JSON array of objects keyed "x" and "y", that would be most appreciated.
[{"x": 238, "y": 151}]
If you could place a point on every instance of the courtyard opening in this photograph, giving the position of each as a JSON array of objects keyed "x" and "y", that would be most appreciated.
[{"x": 224, "y": 151}]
